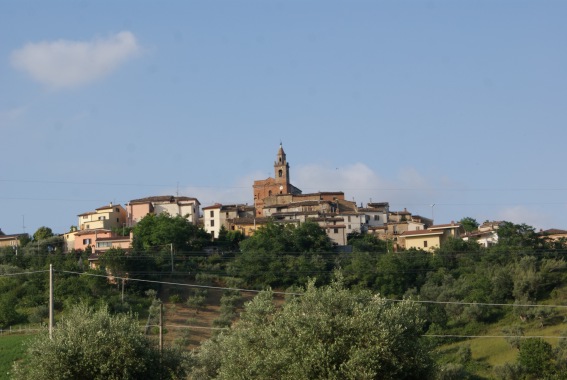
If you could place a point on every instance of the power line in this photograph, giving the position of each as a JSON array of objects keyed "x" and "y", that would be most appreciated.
[
  {"x": 178, "y": 284},
  {"x": 495, "y": 336},
  {"x": 91, "y": 183},
  {"x": 22, "y": 273},
  {"x": 299, "y": 294}
]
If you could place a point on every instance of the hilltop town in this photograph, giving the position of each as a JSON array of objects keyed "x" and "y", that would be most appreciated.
[{"x": 276, "y": 200}]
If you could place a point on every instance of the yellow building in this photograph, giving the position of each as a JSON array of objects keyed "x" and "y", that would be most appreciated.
[
  {"x": 10, "y": 240},
  {"x": 105, "y": 217},
  {"x": 431, "y": 238}
]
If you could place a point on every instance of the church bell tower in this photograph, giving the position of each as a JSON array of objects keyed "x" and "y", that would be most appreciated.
[{"x": 281, "y": 171}]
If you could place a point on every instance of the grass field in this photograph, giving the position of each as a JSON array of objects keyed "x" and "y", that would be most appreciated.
[{"x": 11, "y": 349}]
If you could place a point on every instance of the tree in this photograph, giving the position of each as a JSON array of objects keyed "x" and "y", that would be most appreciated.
[
  {"x": 535, "y": 357},
  {"x": 325, "y": 333},
  {"x": 517, "y": 237},
  {"x": 279, "y": 254},
  {"x": 469, "y": 224},
  {"x": 93, "y": 344},
  {"x": 154, "y": 232},
  {"x": 42, "y": 233},
  {"x": 366, "y": 243}
]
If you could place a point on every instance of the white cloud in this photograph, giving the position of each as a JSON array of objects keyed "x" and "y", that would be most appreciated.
[
  {"x": 362, "y": 184},
  {"x": 66, "y": 63}
]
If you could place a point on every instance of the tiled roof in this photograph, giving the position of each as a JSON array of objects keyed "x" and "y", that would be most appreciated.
[
  {"x": 89, "y": 232},
  {"x": 212, "y": 207},
  {"x": 378, "y": 204},
  {"x": 10, "y": 237},
  {"x": 87, "y": 213},
  {"x": 115, "y": 238},
  {"x": 296, "y": 204},
  {"x": 553, "y": 231},
  {"x": 163, "y": 198},
  {"x": 421, "y": 233},
  {"x": 107, "y": 206}
]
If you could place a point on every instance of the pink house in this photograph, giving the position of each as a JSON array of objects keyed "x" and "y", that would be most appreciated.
[{"x": 88, "y": 238}]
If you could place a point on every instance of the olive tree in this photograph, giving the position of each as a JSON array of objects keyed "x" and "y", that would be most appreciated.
[
  {"x": 94, "y": 344},
  {"x": 324, "y": 333}
]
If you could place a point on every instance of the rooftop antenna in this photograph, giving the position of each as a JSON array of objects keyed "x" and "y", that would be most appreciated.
[
  {"x": 23, "y": 224},
  {"x": 177, "y": 191}
]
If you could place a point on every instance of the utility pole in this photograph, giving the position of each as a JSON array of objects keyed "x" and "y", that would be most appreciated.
[
  {"x": 51, "y": 319},
  {"x": 160, "y": 327},
  {"x": 171, "y": 250}
]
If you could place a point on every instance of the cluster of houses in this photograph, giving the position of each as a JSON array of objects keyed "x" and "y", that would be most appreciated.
[{"x": 275, "y": 200}]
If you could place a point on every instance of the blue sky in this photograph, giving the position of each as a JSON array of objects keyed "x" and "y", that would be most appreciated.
[{"x": 460, "y": 104}]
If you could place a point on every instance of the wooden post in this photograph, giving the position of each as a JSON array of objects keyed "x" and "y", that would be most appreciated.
[{"x": 51, "y": 318}]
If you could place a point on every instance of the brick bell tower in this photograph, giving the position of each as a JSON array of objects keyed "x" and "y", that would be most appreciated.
[
  {"x": 278, "y": 185},
  {"x": 281, "y": 172}
]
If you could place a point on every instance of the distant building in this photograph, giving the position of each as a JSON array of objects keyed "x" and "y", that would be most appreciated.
[
  {"x": 219, "y": 215},
  {"x": 105, "y": 217},
  {"x": 278, "y": 185},
  {"x": 186, "y": 207},
  {"x": 486, "y": 235},
  {"x": 432, "y": 237},
  {"x": 554, "y": 235},
  {"x": 10, "y": 240}
]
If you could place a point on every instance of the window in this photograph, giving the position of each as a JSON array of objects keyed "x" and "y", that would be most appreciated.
[
  {"x": 349, "y": 226},
  {"x": 117, "y": 220},
  {"x": 425, "y": 243},
  {"x": 103, "y": 244},
  {"x": 336, "y": 230},
  {"x": 376, "y": 217},
  {"x": 270, "y": 193},
  {"x": 212, "y": 223},
  {"x": 349, "y": 218},
  {"x": 212, "y": 214},
  {"x": 86, "y": 241},
  {"x": 280, "y": 173},
  {"x": 117, "y": 210}
]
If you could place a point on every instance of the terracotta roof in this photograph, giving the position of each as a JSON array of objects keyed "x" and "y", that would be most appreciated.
[
  {"x": 115, "y": 238},
  {"x": 553, "y": 231},
  {"x": 298, "y": 204},
  {"x": 400, "y": 212},
  {"x": 107, "y": 206},
  {"x": 10, "y": 237},
  {"x": 88, "y": 232},
  {"x": 87, "y": 213},
  {"x": 163, "y": 198},
  {"x": 421, "y": 233},
  {"x": 215, "y": 206},
  {"x": 377, "y": 204}
]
